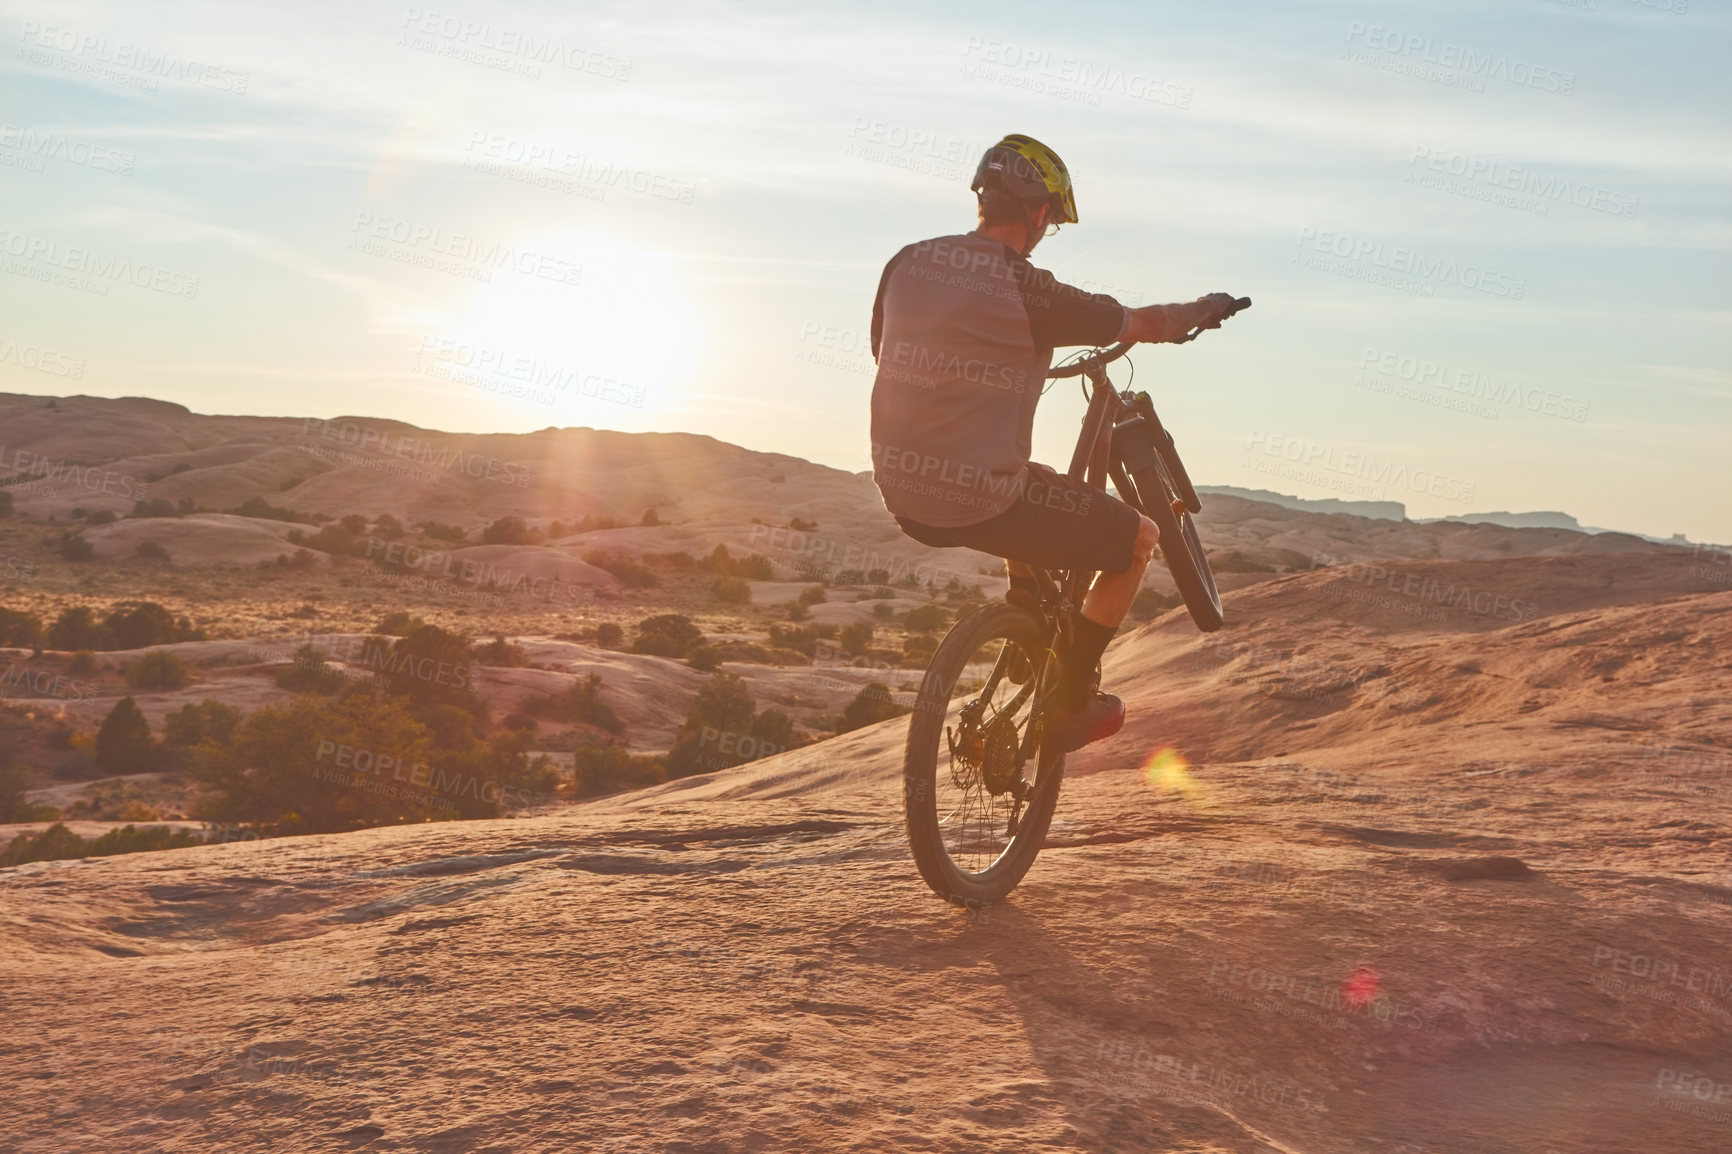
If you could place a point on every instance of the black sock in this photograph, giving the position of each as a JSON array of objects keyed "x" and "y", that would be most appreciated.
[{"x": 1088, "y": 641}]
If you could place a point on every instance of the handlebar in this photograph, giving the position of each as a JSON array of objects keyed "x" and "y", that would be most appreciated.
[{"x": 1107, "y": 356}]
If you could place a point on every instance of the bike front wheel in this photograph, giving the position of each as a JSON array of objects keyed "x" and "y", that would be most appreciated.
[{"x": 978, "y": 792}]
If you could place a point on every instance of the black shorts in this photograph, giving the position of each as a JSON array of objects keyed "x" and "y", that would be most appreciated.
[{"x": 1057, "y": 523}]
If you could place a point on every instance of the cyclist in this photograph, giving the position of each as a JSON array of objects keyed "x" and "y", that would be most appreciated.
[{"x": 963, "y": 331}]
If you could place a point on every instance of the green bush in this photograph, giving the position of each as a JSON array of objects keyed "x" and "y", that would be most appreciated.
[
  {"x": 813, "y": 595},
  {"x": 732, "y": 590},
  {"x": 856, "y": 638},
  {"x": 159, "y": 669},
  {"x": 610, "y": 769},
  {"x": 191, "y": 725},
  {"x": 626, "y": 571},
  {"x": 440, "y": 532},
  {"x": 870, "y": 706},
  {"x": 926, "y": 618},
  {"x": 581, "y": 704},
  {"x": 19, "y": 628},
  {"x": 666, "y": 635},
  {"x": 399, "y": 624},
  {"x": 500, "y": 652},
  {"x": 75, "y": 548},
  {"x": 309, "y": 672},
  {"x": 706, "y": 658},
  {"x": 149, "y": 550},
  {"x": 510, "y": 531},
  {"x": 609, "y": 635},
  {"x": 756, "y": 567}
]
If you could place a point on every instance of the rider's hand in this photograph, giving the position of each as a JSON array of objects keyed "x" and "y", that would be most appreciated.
[{"x": 1213, "y": 309}]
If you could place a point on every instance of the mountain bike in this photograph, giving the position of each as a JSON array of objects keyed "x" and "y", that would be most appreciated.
[{"x": 975, "y": 818}]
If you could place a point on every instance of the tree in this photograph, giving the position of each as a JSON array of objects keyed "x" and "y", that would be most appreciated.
[
  {"x": 731, "y": 590},
  {"x": 723, "y": 729},
  {"x": 5, "y": 504},
  {"x": 926, "y": 618},
  {"x": 387, "y": 526},
  {"x": 124, "y": 743},
  {"x": 354, "y": 524},
  {"x": 13, "y": 781},
  {"x": 75, "y": 548},
  {"x": 429, "y": 667},
  {"x": 608, "y": 635},
  {"x": 77, "y": 628}
]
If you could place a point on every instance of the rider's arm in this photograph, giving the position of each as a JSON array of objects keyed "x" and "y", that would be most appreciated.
[{"x": 1157, "y": 323}]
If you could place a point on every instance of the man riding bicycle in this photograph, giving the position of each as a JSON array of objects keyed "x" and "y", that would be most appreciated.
[{"x": 963, "y": 330}]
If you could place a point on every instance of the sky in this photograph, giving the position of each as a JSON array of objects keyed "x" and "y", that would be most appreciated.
[{"x": 1487, "y": 242}]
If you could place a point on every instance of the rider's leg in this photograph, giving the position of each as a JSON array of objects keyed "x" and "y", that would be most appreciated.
[
  {"x": 1108, "y": 600},
  {"x": 1024, "y": 589}
]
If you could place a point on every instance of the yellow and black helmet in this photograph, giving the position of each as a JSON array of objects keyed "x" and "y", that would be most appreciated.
[{"x": 1027, "y": 170}]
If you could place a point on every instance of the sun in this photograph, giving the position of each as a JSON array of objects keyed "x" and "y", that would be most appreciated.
[{"x": 586, "y": 324}]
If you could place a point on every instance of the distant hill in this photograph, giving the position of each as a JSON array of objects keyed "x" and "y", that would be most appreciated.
[{"x": 1387, "y": 510}]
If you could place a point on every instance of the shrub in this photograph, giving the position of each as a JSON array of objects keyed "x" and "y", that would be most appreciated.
[
  {"x": 666, "y": 635},
  {"x": 882, "y": 609},
  {"x": 387, "y": 526},
  {"x": 877, "y": 577},
  {"x": 722, "y": 706},
  {"x": 19, "y": 628},
  {"x": 813, "y": 595},
  {"x": 440, "y": 532},
  {"x": 797, "y": 611},
  {"x": 650, "y": 518},
  {"x": 77, "y": 628},
  {"x": 158, "y": 669},
  {"x": 800, "y": 525},
  {"x": 124, "y": 743},
  {"x": 73, "y": 548},
  {"x": 802, "y": 638},
  {"x": 13, "y": 780},
  {"x": 926, "y": 618},
  {"x": 84, "y": 661},
  {"x": 580, "y": 704},
  {"x": 919, "y": 645},
  {"x": 264, "y": 510},
  {"x": 519, "y": 721},
  {"x": 149, "y": 550},
  {"x": 193, "y": 724},
  {"x": 56, "y": 843},
  {"x": 704, "y": 657},
  {"x": 399, "y": 624},
  {"x": 1148, "y": 603},
  {"x": 756, "y": 567},
  {"x": 102, "y": 517},
  {"x": 309, "y": 672},
  {"x": 611, "y": 769},
  {"x": 856, "y": 638},
  {"x": 6, "y": 505},
  {"x": 140, "y": 624},
  {"x": 626, "y": 571},
  {"x": 509, "y": 531},
  {"x": 870, "y": 706},
  {"x": 609, "y": 635},
  {"x": 354, "y": 524},
  {"x": 430, "y": 667},
  {"x": 732, "y": 590},
  {"x": 501, "y": 652},
  {"x": 152, "y": 507}
]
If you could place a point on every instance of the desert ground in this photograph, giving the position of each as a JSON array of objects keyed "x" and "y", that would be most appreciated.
[{"x": 1371, "y": 869}]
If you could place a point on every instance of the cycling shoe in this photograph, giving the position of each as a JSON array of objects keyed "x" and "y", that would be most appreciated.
[{"x": 1071, "y": 729}]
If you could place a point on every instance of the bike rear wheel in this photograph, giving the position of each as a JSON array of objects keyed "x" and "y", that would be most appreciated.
[{"x": 975, "y": 821}]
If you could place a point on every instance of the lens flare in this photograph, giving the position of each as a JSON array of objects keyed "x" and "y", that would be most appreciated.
[
  {"x": 1362, "y": 987},
  {"x": 1168, "y": 771}
]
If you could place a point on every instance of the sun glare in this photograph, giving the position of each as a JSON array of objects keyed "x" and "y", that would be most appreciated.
[
  {"x": 1168, "y": 771},
  {"x": 590, "y": 327}
]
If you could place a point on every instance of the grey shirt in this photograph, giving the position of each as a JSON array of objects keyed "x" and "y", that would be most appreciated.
[{"x": 963, "y": 330}]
